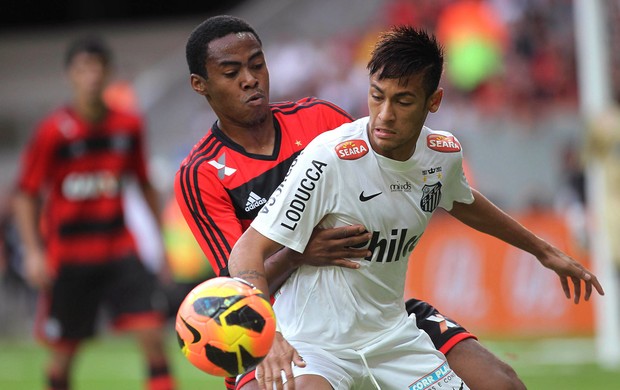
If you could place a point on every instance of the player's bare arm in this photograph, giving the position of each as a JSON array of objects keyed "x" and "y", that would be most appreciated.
[
  {"x": 247, "y": 259},
  {"x": 26, "y": 213},
  {"x": 326, "y": 247},
  {"x": 247, "y": 262},
  {"x": 485, "y": 217}
]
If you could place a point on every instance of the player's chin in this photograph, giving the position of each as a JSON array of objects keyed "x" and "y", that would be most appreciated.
[
  {"x": 257, "y": 118},
  {"x": 386, "y": 147}
]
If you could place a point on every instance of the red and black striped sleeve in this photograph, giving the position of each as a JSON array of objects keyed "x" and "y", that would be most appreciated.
[
  {"x": 37, "y": 158},
  {"x": 206, "y": 206}
]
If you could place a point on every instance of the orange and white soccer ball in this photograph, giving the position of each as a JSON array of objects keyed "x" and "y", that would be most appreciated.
[{"x": 225, "y": 326}]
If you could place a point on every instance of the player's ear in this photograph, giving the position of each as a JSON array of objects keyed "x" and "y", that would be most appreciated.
[
  {"x": 434, "y": 101},
  {"x": 199, "y": 84}
]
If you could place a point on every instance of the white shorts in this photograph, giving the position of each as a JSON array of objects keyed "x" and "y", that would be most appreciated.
[{"x": 403, "y": 359}]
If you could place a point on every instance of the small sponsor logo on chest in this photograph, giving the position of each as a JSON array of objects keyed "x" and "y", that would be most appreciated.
[
  {"x": 254, "y": 201},
  {"x": 90, "y": 185},
  {"x": 400, "y": 187}
]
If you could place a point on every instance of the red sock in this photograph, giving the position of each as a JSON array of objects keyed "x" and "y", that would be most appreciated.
[{"x": 159, "y": 377}]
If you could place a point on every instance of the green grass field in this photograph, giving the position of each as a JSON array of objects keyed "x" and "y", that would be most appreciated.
[
  {"x": 113, "y": 362},
  {"x": 110, "y": 362}
]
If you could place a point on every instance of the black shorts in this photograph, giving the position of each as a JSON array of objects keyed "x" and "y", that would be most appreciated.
[
  {"x": 444, "y": 331},
  {"x": 125, "y": 289}
]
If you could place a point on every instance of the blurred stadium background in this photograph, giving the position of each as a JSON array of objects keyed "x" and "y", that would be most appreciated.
[{"x": 512, "y": 97}]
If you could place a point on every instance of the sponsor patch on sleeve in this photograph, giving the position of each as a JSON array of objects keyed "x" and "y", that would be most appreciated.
[
  {"x": 351, "y": 150},
  {"x": 443, "y": 143}
]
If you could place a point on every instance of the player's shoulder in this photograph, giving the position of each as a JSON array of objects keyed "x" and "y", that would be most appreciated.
[
  {"x": 54, "y": 116},
  {"x": 124, "y": 119},
  {"x": 209, "y": 147},
  {"x": 351, "y": 135},
  {"x": 440, "y": 140},
  {"x": 308, "y": 106},
  {"x": 56, "y": 123},
  {"x": 124, "y": 114}
]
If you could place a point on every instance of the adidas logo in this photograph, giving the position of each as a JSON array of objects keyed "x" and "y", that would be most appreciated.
[{"x": 254, "y": 201}]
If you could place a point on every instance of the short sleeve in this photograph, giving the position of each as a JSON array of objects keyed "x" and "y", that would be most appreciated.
[
  {"x": 457, "y": 188},
  {"x": 37, "y": 159},
  {"x": 302, "y": 199}
]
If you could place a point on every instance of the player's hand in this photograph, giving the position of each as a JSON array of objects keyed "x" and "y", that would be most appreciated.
[
  {"x": 278, "y": 360},
  {"x": 334, "y": 246},
  {"x": 36, "y": 270},
  {"x": 571, "y": 271}
]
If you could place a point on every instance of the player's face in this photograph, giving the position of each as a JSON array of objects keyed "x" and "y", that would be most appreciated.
[
  {"x": 398, "y": 110},
  {"x": 88, "y": 76},
  {"x": 237, "y": 86}
]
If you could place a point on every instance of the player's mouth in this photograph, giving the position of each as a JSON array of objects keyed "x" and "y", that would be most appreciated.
[
  {"x": 255, "y": 99},
  {"x": 381, "y": 132}
]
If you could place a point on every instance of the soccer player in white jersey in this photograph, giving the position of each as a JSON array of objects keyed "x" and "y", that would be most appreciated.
[{"x": 389, "y": 173}]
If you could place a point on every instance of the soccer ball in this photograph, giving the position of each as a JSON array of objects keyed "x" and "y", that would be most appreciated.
[{"x": 224, "y": 327}]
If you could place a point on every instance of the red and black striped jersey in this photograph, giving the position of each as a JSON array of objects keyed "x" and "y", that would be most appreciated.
[
  {"x": 80, "y": 167},
  {"x": 220, "y": 187}
]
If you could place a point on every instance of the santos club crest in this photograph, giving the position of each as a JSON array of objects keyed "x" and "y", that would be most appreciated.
[{"x": 431, "y": 195}]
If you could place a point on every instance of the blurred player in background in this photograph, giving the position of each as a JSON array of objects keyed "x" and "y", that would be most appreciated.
[
  {"x": 389, "y": 172},
  {"x": 68, "y": 207},
  {"x": 236, "y": 166}
]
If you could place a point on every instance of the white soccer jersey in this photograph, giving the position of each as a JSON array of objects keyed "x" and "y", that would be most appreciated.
[{"x": 339, "y": 180}]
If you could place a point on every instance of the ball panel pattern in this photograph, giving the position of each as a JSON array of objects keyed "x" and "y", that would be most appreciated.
[{"x": 225, "y": 326}]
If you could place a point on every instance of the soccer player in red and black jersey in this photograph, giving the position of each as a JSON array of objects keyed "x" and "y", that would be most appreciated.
[
  {"x": 80, "y": 253},
  {"x": 239, "y": 163}
]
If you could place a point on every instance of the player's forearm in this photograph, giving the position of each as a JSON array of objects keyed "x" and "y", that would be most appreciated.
[
  {"x": 26, "y": 212},
  {"x": 247, "y": 258},
  {"x": 278, "y": 267},
  {"x": 247, "y": 264},
  {"x": 486, "y": 217},
  {"x": 151, "y": 196},
  {"x": 249, "y": 268}
]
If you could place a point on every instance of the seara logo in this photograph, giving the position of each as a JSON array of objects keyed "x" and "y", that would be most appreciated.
[
  {"x": 351, "y": 150},
  {"x": 443, "y": 143}
]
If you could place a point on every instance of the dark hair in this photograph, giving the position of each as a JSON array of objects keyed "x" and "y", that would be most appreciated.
[
  {"x": 92, "y": 45},
  {"x": 196, "y": 50},
  {"x": 404, "y": 51}
]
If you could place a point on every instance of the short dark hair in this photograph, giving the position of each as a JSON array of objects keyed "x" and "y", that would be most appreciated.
[
  {"x": 196, "y": 50},
  {"x": 404, "y": 51},
  {"x": 94, "y": 45}
]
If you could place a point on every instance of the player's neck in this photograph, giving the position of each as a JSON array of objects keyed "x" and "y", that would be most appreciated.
[
  {"x": 90, "y": 110},
  {"x": 256, "y": 139}
]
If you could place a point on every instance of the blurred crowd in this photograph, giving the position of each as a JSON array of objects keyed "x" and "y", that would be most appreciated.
[
  {"x": 505, "y": 59},
  {"x": 511, "y": 68}
]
